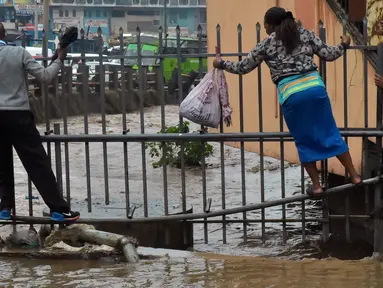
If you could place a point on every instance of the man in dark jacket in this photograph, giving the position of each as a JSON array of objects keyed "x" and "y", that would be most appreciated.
[{"x": 17, "y": 129}]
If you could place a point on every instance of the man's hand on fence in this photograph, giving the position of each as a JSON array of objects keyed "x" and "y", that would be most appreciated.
[
  {"x": 62, "y": 54},
  {"x": 379, "y": 80}
]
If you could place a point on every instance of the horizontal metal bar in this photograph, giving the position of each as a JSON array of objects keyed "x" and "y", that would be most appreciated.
[
  {"x": 364, "y": 47},
  {"x": 361, "y": 217},
  {"x": 249, "y": 221},
  {"x": 189, "y": 136},
  {"x": 191, "y": 55},
  {"x": 241, "y": 209}
]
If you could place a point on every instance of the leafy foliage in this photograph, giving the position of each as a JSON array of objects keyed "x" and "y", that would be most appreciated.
[{"x": 169, "y": 153}]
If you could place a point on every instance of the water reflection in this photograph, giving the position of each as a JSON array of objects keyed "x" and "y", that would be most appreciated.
[{"x": 200, "y": 271}]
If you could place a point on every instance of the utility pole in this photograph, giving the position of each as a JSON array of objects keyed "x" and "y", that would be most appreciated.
[
  {"x": 165, "y": 18},
  {"x": 36, "y": 14},
  {"x": 46, "y": 16}
]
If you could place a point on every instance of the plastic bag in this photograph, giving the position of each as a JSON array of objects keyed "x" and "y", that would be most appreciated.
[
  {"x": 224, "y": 97},
  {"x": 202, "y": 105}
]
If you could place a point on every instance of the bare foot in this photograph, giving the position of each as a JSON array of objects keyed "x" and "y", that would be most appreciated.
[
  {"x": 314, "y": 191},
  {"x": 317, "y": 190},
  {"x": 356, "y": 180}
]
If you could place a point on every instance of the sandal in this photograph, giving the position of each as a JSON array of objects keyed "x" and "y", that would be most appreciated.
[{"x": 310, "y": 192}]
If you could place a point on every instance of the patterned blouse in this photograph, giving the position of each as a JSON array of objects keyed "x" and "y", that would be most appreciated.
[{"x": 281, "y": 64}]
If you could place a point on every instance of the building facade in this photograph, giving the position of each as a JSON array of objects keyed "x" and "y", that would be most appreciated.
[{"x": 110, "y": 15}]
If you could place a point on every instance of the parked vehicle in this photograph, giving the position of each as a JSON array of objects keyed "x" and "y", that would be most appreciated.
[{"x": 150, "y": 46}]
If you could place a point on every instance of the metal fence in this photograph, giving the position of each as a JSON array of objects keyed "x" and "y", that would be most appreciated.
[{"x": 223, "y": 208}]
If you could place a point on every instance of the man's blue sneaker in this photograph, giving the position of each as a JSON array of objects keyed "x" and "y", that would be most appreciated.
[
  {"x": 65, "y": 217},
  {"x": 5, "y": 214}
]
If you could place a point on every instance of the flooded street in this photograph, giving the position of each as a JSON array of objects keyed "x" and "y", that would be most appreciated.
[
  {"x": 194, "y": 271},
  {"x": 203, "y": 270}
]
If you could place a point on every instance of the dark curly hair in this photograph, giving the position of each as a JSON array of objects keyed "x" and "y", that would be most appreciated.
[{"x": 285, "y": 27}]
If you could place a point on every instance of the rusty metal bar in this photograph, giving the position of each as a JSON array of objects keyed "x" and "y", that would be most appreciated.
[{"x": 241, "y": 209}]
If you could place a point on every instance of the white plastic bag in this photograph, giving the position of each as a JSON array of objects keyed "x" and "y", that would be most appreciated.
[
  {"x": 202, "y": 105},
  {"x": 224, "y": 97}
]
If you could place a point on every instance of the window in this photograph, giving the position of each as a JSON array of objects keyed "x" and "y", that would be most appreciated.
[
  {"x": 98, "y": 13},
  {"x": 61, "y": 13},
  {"x": 74, "y": 13},
  {"x": 147, "y": 61},
  {"x": 202, "y": 2},
  {"x": 156, "y": 22},
  {"x": 106, "y": 14},
  {"x": 66, "y": 13},
  {"x": 109, "y": 2},
  {"x": 183, "y": 2},
  {"x": 202, "y": 16},
  {"x": 118, "y": 13},
  {"x": 173, "y": 18},
  {"x": 88, "y": 14},
  {"x": 89, "y": 1},
  {"x": 136, "y": 2},
  {"x": 80, "y": 2},
  {"x": 183, "y": 14},
  {"x": 98, "y": 2},
  {"x": 153, "y": 2}
]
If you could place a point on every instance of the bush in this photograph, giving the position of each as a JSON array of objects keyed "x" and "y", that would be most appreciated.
[{"x": 193, "y": 150}]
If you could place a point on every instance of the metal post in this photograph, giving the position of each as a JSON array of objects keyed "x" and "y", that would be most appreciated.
[
  {"x": 242, "y": 129},
  {"x": 56, "y": 129},
  {"x": 378, "y": 227},
  {"x": 261, "y": 146},
  {"x": 141, "y": 90},
  {"x": 325, "y": 211},
  {"x": 365, "y": 139},
  {"x": 124, "y": 126},
  {"x": 66, "y": 83},
  {"x": 101, "y": 78},
  {"x": 345, "y": 112},
  {"x": 222, "y": 151}
]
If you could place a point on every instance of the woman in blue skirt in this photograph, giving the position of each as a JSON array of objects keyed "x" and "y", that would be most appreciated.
[{"x": 289, "y": 52}]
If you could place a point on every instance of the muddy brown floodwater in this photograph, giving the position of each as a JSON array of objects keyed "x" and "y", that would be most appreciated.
[
  {"x": 191, "y": 271},
  {"x": 208, "y": 271}
]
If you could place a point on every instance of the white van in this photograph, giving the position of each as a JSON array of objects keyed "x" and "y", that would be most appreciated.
[{"x": 37, "y": 52}]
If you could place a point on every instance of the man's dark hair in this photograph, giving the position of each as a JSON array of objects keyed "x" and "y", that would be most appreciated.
[{"x": 285, "y": 27}]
